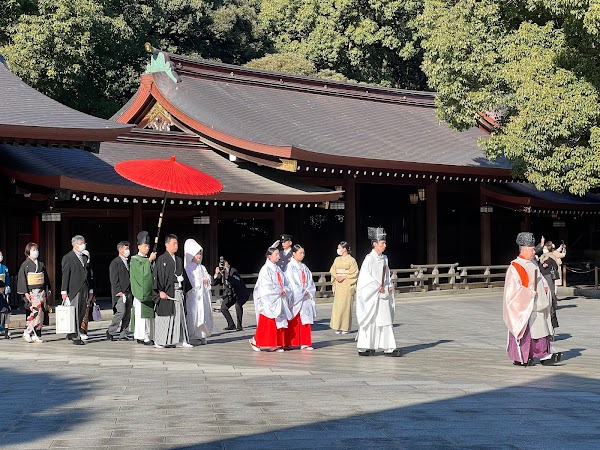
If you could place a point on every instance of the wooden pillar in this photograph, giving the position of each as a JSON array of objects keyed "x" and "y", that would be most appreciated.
[
  {"x": 432, "y": 223},
  {"x": 214, "y": 234},
  {"x": 49, "y": 249},
  {"x": 137, "y": 224},
  {"x": 485, "y": 229},
  {"x": 485, "y": 221},
  {"x": 350, "y": 213},
  {"x": 525, "y": 221},
  {"x": 279, "y": 221}
]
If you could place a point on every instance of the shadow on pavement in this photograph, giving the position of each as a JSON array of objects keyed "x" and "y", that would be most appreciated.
[
  {"x": 414, "y": 348},
  {"x": 562, "y": 336},
  {"x": 565, "y": 307},
  {"x": 501, "y": 419},
  {"x": 35, "y": 406}
]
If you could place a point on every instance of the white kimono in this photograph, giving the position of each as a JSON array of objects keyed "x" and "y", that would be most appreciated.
[
  {"x": 268, "y": 298},
  {"x": 303, "y": 291},
  {"x": 374, "y": 309},
  {"x": 199, "y": 316}
]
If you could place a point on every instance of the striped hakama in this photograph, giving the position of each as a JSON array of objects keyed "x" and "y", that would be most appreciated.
[{"x": 172, "y": 330}]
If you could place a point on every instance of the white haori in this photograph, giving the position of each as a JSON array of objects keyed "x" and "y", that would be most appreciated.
[
  {"x": 199, "y": 317},
  {"x": 271, "y": 295},
  {"x": 375, "y": 310},
  {"x": 143, "y": 329},
  {"x": 303, "y": 292}
]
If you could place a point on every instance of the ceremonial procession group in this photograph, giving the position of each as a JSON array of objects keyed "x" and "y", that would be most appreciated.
[{"x": 167, "y": 301}]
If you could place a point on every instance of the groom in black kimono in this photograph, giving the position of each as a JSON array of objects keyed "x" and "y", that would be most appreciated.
[{"x": 170, "y": 283}]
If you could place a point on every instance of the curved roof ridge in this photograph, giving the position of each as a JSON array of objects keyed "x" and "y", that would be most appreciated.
[{"x": 205, "y": 68}]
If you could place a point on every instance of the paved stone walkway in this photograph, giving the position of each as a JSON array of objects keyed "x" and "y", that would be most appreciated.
[{"x": 455, "y": 388}]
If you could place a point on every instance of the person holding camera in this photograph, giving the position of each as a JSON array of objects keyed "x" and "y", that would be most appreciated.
[{"x": 234, "y": 293}]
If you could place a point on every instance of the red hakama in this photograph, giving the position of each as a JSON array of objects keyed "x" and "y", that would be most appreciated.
[
  {"x": 267, "y": 334},
  {"x": 296, "y": 334}
]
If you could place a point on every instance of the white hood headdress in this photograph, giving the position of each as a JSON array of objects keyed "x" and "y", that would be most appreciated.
[{"x": 191, "y": 249}]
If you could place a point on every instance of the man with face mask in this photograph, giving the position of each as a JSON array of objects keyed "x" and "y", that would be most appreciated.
[
  {"x": 77, "y": 286},
  {"x": 34, "y": 285},
  {"x": 121, "y": 293}
]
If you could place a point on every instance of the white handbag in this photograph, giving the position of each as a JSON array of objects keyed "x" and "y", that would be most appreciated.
[{"x": 65, "y": 319}]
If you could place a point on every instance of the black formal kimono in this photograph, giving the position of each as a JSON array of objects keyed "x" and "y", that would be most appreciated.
[
  {"x": 169, "y": 277},
  {"x": 77, "y": 283},
  {"x": 26, "y": 287}
]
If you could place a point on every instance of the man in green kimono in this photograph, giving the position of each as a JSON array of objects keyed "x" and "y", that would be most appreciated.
[{"x": 142, "y": 319}]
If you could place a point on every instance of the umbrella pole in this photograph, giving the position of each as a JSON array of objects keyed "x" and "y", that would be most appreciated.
[{"x": 160, "y": 218}]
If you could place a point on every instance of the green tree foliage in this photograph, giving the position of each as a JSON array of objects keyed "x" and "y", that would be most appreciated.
[
  {"x": 293, "y": 63},
  {"x": 89, "y": 54},
  {"x": 534, "y": 66},
  {"x": 365, "y": 40}
]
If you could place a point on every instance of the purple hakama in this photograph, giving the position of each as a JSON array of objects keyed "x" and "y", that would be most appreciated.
[{"x": 530, "y": 348}]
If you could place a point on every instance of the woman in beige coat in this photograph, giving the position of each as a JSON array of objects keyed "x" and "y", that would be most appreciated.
[{"x": 344, "y": 273}]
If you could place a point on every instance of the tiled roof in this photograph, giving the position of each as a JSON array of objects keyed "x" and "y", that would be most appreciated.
[
  {"x": 26, "y": 114},
  {"x": 527, "y": 193},
  {"x": 332, "y": 119},
  {"x": 76, "y": 169}
]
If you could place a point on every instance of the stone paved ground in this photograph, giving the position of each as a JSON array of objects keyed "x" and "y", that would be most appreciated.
[{"x": 454, "y": 388}]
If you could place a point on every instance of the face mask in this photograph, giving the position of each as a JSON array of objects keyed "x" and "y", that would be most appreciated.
[
  {"x": 340, "y": 252},
  {"x": 126, "y": 253},
  {"x": 545, "y": 250},
  {"x": 81, "y": 247},
  {"x": 34, "y": 254}
]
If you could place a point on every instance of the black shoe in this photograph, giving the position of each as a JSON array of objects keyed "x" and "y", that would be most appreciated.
[
  {"x": 7, "y": 335},
  {"x": 556, "y": 357},
  {"x": 366, "y": 353},
  {"x": 140, "y": 341},
  {"x": 78, "y": 342},
  {"x": 110, "y": 337},
  {"x": 70, "y": 337},
  {"x": 394, "y": 353},
  {"x": 148, "y": 342},
  {"x": 229, "y": 328},
  {"x": 239, "y": 328}
]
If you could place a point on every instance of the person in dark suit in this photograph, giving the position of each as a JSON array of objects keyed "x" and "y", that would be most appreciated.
[
  {"x": 286, "y": 253},
  {"x": 235, "y": 292},
  {"x": 122, "y": 299},
  {"x": 77, "y": 287}
]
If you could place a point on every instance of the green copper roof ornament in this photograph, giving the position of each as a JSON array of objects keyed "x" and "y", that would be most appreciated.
[{"x": 159, "y": 62}]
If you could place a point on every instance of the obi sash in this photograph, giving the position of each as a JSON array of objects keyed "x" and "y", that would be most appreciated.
[{"x": 35, "y": 279}]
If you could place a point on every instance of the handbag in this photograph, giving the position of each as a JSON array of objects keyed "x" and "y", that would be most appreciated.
[
  {"x": 96, "y": 313},
  {"x": 65, "y": 319},
  {"x": 553, "y": 274}
]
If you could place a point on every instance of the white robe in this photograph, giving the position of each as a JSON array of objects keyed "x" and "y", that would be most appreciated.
[
  {"x": 375, "y": 310},
  {"x": 303, "y": 294},
  {"x": 199, "y": 316},
  {"x": 526, "y": 305},
  {"x": 268, "y": 298}
]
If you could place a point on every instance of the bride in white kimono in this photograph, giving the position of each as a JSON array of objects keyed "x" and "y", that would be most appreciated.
[{"x": 198, "y": 303}]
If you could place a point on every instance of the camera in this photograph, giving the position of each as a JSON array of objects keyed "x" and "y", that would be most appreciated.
[{"x": 221, "y": 262}]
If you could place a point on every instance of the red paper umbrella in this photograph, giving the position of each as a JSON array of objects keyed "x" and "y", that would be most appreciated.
[{"x": 169, "y": 176}]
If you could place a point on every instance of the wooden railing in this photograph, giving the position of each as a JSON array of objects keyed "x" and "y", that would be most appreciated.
[{"x": 419, "y": 278}]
